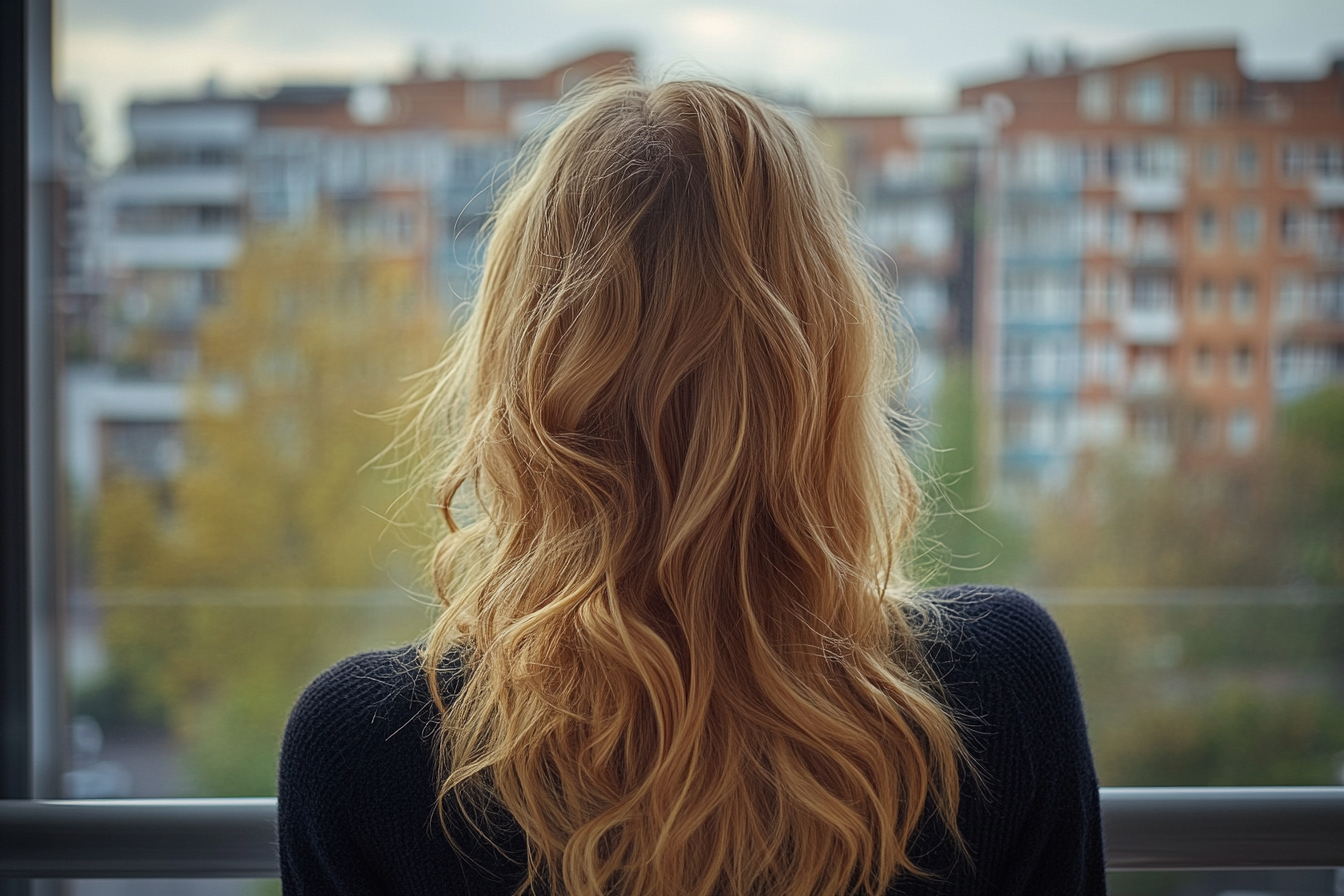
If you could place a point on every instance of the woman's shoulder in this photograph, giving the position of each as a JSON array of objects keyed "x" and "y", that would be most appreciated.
[
  {"x": 349, "y": 711},
  {"x": 361, "y": 691},
  {"x": 1000, "y": 631}
]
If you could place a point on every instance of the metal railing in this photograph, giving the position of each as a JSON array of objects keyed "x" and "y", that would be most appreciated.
[{"x": 1147, "y": 828}]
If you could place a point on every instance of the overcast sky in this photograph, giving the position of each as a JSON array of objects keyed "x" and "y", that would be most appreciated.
[{"x": 839, "y": 54}]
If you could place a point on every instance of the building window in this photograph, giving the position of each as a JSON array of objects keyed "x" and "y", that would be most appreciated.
[
  {"x": 1102, "y": 361},
  {"x": 1149, "y": 98},
  {"x": 1204, "y": 98},
  {"x": 1210, "y": 162},
  {"x": 1094, "y": 96},
  {"x": 1208, "y": 229},
  {"x": 1203, "y": 434},
  {"x": 1327, "y": 299},
  {"x": 1243, "y": 299},
  {"x": 1241, "y": 431},
  {"x": 1293, "y": 228},
  {"x": 1152, "y": 426},
  {"x": 1241, "y": 362},
  {"x": 1248, "y": 163},
  {"x": 1329, "y": 160},
  {"x": 1117, "y": 292},
  {"x": 1201, "y": 370},
  {"x": 1094, "y": 294},
  {"x": 1153, "y": 292},
  {"x": 1291, "y": 305},
  {"x": 1206, "y": 298},
  {"x": 1248, "y": 225},
  {"x": 1292, "y": 161}
]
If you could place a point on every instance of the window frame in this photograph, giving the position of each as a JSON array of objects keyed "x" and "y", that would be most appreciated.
[
  {"x": 31, "y": 748},
  {"x": 16, "y": 619}
]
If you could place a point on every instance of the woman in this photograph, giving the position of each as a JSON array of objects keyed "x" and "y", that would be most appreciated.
[{"x": 677, "y": 654}]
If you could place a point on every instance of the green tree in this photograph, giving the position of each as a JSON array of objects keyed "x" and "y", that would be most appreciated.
[
  {"x": 1309, "y": 482},
  {"x": 968, "y": 539},
  {"x": 261, "y": 563}
]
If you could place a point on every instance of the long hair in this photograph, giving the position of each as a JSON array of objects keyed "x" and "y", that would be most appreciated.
[{"x": 676, "y": 510}]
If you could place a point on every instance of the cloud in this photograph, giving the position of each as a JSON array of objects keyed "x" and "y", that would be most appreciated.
[{"x": 873, "y": 53}]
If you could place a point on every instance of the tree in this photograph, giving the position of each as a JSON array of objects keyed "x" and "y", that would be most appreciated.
[
  {"x": 968, "y": 540},
  {"x": 1310, "y": 485},
  {"x": 261, "y": 563}
]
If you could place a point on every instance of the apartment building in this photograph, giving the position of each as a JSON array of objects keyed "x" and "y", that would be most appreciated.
[
  {"x": 1161, "y": 264},
  {"x": 917, "y": 180},
  {"x": 404, "y": 172},
  {"x": 404, "y": 169}
]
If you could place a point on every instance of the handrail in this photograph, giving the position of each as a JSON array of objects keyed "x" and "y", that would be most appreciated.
[{"x": 1147, "y": 828}]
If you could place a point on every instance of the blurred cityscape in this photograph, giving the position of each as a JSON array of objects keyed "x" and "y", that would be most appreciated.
[
  {"x": 1125, "y": 280},
  {"x": 1147, "y": 252}
]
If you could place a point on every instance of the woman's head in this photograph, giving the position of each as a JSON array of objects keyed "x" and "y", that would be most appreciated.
[{"x": 689, "y": 670}]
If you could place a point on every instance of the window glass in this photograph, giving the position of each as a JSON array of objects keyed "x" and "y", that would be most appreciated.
[
  {"x": 1094, "y": 96},
  {"x": 1292, "y": 161},
  {"x": 1210, "y": 162},
  {"x": 1204, "y": 100},
  {"x": 1208, "y": 229},
  {"x": 1149, "y": 98},
  {"x": 1243, "y": 299},
  {"x": 1248, "y": 163},
  {"x": 252, "y": 252},
  {"x": 1249, "y": 220}
]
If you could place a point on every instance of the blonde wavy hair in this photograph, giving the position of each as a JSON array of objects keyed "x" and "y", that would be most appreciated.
[{"x": 677, "y": 510}]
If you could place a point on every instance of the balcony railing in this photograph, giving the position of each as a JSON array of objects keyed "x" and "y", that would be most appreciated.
[{"x": 1146, "y": 829}]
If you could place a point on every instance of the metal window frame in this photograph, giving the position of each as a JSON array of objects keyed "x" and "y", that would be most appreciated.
[{"x": 1146, "y": 828}]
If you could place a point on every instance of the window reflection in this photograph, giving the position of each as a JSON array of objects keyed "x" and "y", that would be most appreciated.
[{"x": 1130, "y": 354}]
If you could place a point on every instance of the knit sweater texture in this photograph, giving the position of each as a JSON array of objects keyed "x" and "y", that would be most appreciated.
[{"x": 357, "y": 780}]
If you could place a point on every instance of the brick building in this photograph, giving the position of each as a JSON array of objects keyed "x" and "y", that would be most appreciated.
[
  {"x": 1162, "y": 261},
  {"x": 402, "y": 171},
  {"x": 917, "y": 179}
]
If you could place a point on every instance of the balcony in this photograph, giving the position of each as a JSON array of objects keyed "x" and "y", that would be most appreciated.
[
  {"x": 1153, "y": 249},
  {"x": 198, "y": 251},
  {"x": 1150, "y": 327},
  {"x": 1328, "y": 192},
  {"x": 1149, "y": 381},
  {"x": 1151, "y": 194},
  {"x": 181, "y": 186}
]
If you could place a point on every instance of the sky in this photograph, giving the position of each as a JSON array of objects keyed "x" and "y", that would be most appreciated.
[{"x": 839, "y": 55}]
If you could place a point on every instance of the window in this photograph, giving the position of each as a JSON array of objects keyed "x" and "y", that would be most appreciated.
[
  {"x": 312, "y": 176},
  {"x": 1241, "y": 370},
  {"x": 1206, "y": 299},
  {"x": 1102, "y": 361},
  {"x": 1149, "y": 98},
  {"x": 1105, "y": 293},
  {"x": 1291, "y": 305},
  {"x": 1293, "y": 228},
  {"x": 1243, "y": 299},
  {"x": 1210, "y": 162},
  {"x": 1203, "y": 431},
  {"x": 1152, "y": 425},
  {"x": 1248, "y": 164},
  {"x": 1248, "y": 227},
  {"x": 1241, "y": 431},
  {"x": 1292, "y": 161},
  {"x": 1329, "y": 161},
  {"x": 1153, "y": 292},
  {"x": 1202, "y": 365},
  {"x": 1208, "y": 229},
  {"x": 1204, "y": 98},
  {"x": 1094, "y": 96}
]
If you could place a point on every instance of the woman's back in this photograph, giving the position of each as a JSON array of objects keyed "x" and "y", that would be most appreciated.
[
  {"x": 358, "y": 793},
  {"x": 677, "y": 654}
]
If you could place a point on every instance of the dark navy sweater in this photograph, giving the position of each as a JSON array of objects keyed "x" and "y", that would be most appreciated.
[{"x": 357, "y": 787}]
